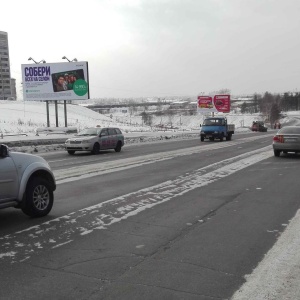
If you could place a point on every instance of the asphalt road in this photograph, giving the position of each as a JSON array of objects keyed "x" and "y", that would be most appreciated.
[{"x": 163, "y": 220}]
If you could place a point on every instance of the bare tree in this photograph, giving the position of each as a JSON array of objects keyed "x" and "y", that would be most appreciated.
[
  {"x": 147, "y": 118},
  {"x": 223, "y": 91},
  {"x": 132, "y": 107}
]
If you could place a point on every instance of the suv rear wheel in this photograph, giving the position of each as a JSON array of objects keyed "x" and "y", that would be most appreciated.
[
  {"x": 118, "y": 147},
  {"x": 38, "y": 199}
]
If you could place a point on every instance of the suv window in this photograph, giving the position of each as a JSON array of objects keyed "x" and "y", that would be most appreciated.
[
  {"x": 111, "y": 131},
  {"x": 118, "y": 131},
  {"x": 104, "y": 132}
]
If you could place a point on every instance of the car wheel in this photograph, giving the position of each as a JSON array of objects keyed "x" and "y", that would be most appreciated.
[
  {"x": 38, "y": 199},
  {"x": 221, "y": 137},
  {"x": 71, "y": 152},
  {"x": 228, "y": 138},
  {"x": 118, "y": 147},
  {"x": 277, "y": 153},
  {"x": 202, "y": 138},
  {"x": 96, "y": 148}
]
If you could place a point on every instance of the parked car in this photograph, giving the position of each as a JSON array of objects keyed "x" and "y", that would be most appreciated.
[
  {"x": 26, "y": 182},
  {"x": 287, "y": 139},
  {"x": 95, "y": 139},
  {"x": 258, "y": 126}
]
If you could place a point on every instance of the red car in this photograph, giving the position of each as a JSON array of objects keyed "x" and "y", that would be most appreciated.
[{"x": 258, "y": 126}]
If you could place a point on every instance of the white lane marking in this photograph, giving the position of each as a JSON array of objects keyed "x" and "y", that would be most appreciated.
[
  {"x": 58, "y": 160},
  {"x": 100, "y": 216},
  {"x": 62, "y": 244},
  {"x": 86, "y": 171},
  {"x": 277, "y": 275}
]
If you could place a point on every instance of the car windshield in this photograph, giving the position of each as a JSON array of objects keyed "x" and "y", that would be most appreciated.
[
  {"x": 212, "y": 122},
  {"x": 289, "y": 130},
  {"x": 89, "y": 132}
]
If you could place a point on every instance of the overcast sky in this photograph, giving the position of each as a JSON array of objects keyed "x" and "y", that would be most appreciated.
[{"x": 162, "y": 47}]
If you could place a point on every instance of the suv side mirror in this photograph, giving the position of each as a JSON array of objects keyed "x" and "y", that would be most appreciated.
[
  {"x": 200, "y": 125},
  {"x": 3, "y": 150}
]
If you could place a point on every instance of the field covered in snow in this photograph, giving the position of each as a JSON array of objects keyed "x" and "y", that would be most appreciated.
[
  {"x": 26, "y": 117},
  {"x": 17, "y": 117}
]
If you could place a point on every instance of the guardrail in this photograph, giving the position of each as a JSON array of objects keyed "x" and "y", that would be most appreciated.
[
  {"x": 12, "y": 134},
  {"x": 56, "y": 130}
]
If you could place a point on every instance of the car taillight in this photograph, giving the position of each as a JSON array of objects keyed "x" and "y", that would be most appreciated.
[{"x": 278, "y": 139}]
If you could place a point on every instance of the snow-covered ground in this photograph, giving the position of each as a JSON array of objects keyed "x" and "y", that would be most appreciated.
[
  {"x": 19, "y": 122},
  {"x": 26, "y": 117}
]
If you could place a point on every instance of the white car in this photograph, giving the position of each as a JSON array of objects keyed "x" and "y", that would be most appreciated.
[
  {"x": 287, "y": 139},
  {"x": 95, "y": 139},
  {"x": 26, "y": 182}
]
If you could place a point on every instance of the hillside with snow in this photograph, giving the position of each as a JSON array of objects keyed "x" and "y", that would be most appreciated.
[{"x": 26, "y": 117}]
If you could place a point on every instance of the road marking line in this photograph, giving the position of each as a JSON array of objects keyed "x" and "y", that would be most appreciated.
[{"x": 95, "y": 169}]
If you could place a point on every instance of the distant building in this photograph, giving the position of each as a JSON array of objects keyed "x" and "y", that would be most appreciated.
[
  {"x": 7, "y": 84},
  {"x": 13, "y": 89}
]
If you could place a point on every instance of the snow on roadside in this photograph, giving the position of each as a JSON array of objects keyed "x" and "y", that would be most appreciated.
[
  {"x": 43, "y": 145},
  {"x": 277, "y": 275}
]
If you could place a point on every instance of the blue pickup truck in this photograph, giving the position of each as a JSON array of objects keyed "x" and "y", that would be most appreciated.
[{"x": 216, "y": 128}]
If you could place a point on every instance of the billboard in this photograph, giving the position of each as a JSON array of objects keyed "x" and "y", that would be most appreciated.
[
  {"x": 216, "y": 103},
  {"x": 56, "y": 81}
]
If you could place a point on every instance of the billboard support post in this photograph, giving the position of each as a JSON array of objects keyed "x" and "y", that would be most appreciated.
[
  {"x": 56, "y": 114},
  {"x": 65, "y": 110},
  {"x": 48, "y": 119}
]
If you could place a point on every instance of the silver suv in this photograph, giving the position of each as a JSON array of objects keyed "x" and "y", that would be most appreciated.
[
  {"x": 26, "y": 182},
  {"x": 95, "y": 139}
]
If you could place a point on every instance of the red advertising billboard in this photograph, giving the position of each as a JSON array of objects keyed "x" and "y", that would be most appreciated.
[
  {"x": 205, "y": 102},
  {"x": 217, "y": 103}
]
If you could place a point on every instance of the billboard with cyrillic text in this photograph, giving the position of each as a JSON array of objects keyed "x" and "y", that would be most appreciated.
[
  {"x": 216, "y": 103},
  {"x": 56, "y": 81}
]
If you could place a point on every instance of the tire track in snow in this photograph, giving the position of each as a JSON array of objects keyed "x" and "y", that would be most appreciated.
[{"x": 86, "y": 171}]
